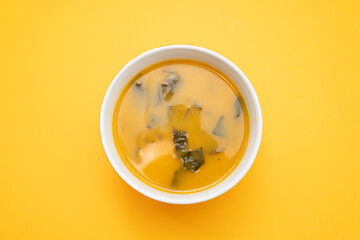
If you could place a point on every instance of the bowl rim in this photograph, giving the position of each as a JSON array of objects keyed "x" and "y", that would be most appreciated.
[{"x": 211, "y": 194}]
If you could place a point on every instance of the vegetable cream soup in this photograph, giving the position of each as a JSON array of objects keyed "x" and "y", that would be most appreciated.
[{"x": 181, "y": 126}]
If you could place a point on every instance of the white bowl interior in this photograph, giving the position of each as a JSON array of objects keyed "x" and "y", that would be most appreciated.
[{"x": 181, "y": 52}]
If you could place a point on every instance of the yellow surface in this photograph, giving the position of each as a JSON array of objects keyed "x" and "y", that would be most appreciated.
[{"x": 57, "y": 59}]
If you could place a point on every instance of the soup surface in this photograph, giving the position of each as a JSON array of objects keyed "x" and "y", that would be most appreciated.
[{"x": 181, "y": 126}]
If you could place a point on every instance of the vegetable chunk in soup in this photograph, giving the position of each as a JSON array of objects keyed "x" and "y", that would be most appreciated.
[{"x": 181, "y": 126}]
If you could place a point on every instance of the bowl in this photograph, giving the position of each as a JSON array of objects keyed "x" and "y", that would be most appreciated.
[{"x": 180, "y": 52}]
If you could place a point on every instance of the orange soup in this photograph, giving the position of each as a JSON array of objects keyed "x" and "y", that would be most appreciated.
[{"x": 181, "y": 126}]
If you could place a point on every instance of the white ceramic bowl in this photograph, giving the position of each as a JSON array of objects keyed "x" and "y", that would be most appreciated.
[{"x": 180, "y": 52}]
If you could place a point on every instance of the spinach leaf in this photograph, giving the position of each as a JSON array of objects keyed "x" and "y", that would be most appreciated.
[
  {"x": 193, "y": 159},
  {"x": 177, "y": 112},
  {"x": 167, "y": 86},
  {"x": 177, "y": 176},
  {"x": 180, "y": 139},
  {"x": 219, "y": 128},
  {"x": 139, "y": 85},
  {"x": 238, "y": 108}
]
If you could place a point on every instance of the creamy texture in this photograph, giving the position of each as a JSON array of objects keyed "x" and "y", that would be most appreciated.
[{"x": 188, "y": 96}]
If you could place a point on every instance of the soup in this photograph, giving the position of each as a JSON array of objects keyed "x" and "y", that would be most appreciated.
[{"x": 181, "y": 126}]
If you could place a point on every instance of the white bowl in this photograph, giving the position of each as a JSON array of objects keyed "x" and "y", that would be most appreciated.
[{"x": 181, "y": 52}]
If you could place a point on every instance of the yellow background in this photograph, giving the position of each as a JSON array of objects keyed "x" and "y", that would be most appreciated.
[{"x": 57, "y": 59}]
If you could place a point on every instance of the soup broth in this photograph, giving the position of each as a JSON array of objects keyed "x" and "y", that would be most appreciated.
[{"x": 181, "y": 126}]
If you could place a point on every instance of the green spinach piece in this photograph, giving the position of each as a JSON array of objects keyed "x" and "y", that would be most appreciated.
[
  {"x": 177, "y": 176},
  {"x": 167, "y": 86},
  {"x": 177, "y": 112},
  {"x": 238, "y": 108},
  {"x": 219, "y": 128},
  {"x": 181, "y": 142},
  {"x": 139, "y": 85},
  {"x": 193, "y": 160}
]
